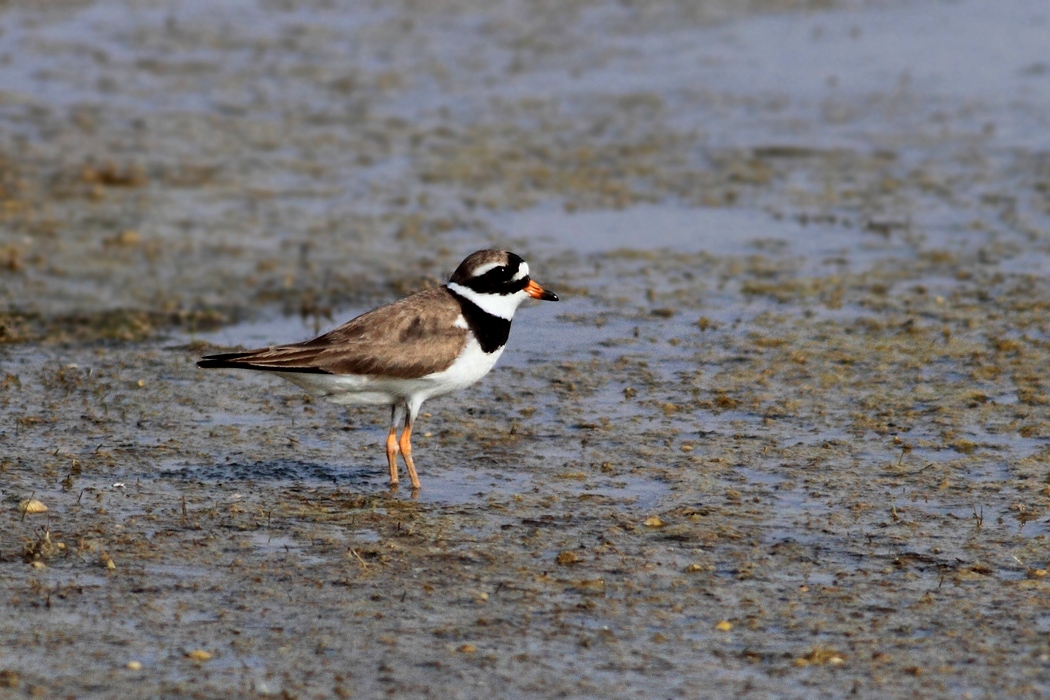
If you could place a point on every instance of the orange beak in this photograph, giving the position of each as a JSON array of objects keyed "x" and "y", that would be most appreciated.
[{"x": 537, "y": 292}]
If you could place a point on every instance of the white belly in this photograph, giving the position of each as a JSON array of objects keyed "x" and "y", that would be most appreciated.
[{"x": 351, "y": 389}]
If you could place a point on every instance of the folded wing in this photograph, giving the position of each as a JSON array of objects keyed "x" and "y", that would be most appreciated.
[{"x": 408, "y": 339}]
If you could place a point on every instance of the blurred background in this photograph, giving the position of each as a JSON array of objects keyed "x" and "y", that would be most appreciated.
[
  {"x": 199, "y": 157},
  {"x": 787, "y": 434}
]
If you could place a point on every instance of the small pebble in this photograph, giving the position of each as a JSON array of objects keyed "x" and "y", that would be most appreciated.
[
  {"x": 567, "y": 557},
  {"x": 31, "y": 506}
]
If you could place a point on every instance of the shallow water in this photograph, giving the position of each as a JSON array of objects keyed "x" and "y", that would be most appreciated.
[{"x": 785, "y": 435}]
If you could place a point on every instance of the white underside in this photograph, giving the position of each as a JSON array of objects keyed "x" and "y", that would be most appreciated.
[{"x": 354, "y": 390}]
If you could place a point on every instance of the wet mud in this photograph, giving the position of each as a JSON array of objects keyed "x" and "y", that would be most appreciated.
[{"x": 786, "y": 435}]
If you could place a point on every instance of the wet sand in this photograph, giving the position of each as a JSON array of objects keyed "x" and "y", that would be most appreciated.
[{"x": 786, "y": 435}]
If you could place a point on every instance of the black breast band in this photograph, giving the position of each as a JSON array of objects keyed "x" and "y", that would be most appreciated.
[{"x": 491, "y": 331}]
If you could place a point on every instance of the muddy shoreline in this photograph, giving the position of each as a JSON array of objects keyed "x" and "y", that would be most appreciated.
[{"x": 786, "y": 435}]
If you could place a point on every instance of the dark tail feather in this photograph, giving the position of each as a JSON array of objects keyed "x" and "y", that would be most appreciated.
[
  {"x": 236, "y": 360},
  {"x": 251, "y": 360}
]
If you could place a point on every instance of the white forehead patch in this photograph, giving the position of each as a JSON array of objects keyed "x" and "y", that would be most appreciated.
[{"x": 523, "y": 272}]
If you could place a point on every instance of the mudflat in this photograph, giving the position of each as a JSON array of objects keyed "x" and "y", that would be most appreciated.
[{"x": 786, "y": 434}]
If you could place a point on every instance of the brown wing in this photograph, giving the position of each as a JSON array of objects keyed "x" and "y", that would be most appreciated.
[{"x": 408, "y": 339}]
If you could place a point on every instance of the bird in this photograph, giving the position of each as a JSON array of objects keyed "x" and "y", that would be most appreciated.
[{"x": 431, "y": 343}]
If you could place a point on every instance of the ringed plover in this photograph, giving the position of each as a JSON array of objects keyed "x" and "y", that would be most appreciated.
[{"x": 434, "y": 342}]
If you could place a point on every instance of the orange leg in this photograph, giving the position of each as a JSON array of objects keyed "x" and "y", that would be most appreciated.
[
  {"x": 405, "y": 443},
  {"x": 391, "y": 454}
]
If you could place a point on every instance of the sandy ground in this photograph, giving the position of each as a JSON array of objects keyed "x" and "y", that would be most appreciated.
[{"x": 787, "y": 434}]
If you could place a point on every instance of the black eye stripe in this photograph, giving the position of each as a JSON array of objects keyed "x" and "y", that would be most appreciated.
[{"x": 498, "y": 280}]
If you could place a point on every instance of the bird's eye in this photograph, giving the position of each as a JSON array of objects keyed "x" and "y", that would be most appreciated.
[{"x": 502, "y": 269}]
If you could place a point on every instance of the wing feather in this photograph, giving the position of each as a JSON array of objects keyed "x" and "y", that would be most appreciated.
[{"x": 408, "y": 339}]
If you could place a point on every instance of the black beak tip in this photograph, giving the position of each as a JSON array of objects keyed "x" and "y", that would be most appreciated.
[{"x": 548, "y": 295}]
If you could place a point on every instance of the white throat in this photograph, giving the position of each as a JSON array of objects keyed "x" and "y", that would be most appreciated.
[{"x": 501, "y": 305}]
